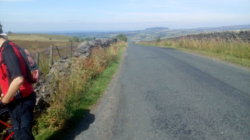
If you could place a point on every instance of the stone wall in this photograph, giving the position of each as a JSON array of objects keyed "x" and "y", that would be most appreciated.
[{"x": 45, "y": 87}]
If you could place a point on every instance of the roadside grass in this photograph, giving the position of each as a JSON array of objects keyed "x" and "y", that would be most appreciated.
[
  {"x": 234, "y": 50},
  {"x": 78, "y": 92}
]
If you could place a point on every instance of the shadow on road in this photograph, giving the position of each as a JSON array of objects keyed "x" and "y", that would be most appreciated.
[{"x": 79, "y": 122}]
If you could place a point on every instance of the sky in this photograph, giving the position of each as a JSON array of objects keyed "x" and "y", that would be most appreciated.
[{"x": 119, "y": 15}]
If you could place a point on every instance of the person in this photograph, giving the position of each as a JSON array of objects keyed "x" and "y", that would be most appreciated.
[{"x": 17, "y": 93}]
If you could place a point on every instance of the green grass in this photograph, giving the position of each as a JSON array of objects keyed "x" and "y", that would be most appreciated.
[
  {"x": 234, "y": 51},
  {"x": 78, "y": 105},
  {"x": 227, "y": 58}
]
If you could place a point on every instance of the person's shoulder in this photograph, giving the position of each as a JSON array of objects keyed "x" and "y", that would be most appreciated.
[
  {"x": 8, "y": 46},
  {"x": 11, "y": 43}
]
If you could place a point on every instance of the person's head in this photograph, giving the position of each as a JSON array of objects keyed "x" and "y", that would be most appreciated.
[{"x": 3, "y": 36}]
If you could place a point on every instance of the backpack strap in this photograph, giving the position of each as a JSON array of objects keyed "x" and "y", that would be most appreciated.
[{"x": 5, "y": 44}]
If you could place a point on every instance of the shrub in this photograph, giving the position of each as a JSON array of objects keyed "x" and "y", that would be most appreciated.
[{"x": 122, "y": 37}]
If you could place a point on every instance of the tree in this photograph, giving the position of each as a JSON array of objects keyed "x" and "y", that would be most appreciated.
[
  {"x": 1, "y": 29},
  {"x": 122, "y": 37},
  {"x": 158, "y": 39},
  {"x": 74, "y": 39},
  {"x": 10, "y": 32}
]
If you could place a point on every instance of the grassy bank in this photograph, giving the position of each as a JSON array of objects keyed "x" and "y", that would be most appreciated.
[
  {"x": 78, "y": 92},
  {"x": 233, "y": 50}
]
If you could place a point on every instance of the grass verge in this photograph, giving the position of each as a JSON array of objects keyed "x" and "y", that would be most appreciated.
[
  {"x": 74, "y": 98},
  {"x": 234, "y": 51}
]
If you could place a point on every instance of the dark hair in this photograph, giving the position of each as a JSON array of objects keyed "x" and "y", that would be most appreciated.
[
  {"x": 1, "y": 29},
  {"x": 2, "y": 34}
]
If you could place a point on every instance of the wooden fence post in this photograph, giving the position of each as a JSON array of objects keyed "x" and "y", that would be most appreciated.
[
  {"x": 71, "y": 49},
  {"x": 51, "y": 56},
  {"x": 58, "y": 51},
  {"x": 37, "y": 58}
]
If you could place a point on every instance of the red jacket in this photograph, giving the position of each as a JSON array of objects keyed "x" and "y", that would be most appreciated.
[{"x": 26, "y": 88}]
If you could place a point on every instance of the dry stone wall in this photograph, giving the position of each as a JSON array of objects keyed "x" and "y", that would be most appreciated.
[{"x": 45, "y": 87}]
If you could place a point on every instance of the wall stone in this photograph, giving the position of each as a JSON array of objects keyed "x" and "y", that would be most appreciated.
[{"x": 45, "y": 87}]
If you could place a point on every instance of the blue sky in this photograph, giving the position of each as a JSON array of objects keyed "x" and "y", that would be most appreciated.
[{"x": 106, "y": 15}]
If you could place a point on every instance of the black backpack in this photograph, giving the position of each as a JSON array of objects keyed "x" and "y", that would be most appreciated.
[{"x": 33, "y": 71}]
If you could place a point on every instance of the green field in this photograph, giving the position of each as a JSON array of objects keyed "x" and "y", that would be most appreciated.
[
  {"x": 40, "y": 42},
  {"x": 39, "y": 37}
]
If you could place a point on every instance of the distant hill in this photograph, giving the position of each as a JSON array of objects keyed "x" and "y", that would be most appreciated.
[
  {"x": 156, "y": 28},
  {"x": 225, "y": 35},
  {"x": 156, "y": 32}
]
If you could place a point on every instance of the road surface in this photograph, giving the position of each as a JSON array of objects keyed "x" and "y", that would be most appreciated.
[{"x": 165, "y": 94}]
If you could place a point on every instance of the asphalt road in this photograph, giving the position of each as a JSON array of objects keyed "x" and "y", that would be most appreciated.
[{"x": 165, "y": 94}]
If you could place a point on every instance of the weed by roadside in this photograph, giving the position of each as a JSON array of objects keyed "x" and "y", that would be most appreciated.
[
  {"x": 232, "y": 50},
  {"x": 82, "y": 88}
]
